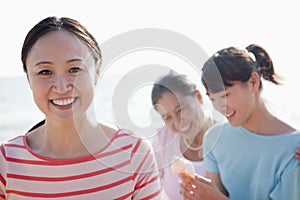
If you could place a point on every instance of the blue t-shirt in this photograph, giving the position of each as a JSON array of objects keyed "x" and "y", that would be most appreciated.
[{"x": 253, "y": 166}]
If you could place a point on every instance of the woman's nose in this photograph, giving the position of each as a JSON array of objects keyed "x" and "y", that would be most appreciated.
[
  {"x": 62, "y": 85},
  {"x": 176, "y": 122}
]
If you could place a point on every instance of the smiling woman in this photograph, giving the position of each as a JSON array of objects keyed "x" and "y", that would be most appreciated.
[
  {"x": 180, "y": 104},
  {"x": 71, "y": 155}
]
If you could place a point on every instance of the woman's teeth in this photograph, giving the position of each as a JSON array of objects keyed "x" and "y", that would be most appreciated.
[
  {"x": 184, "y": 129},
  {"x": 229, "y": 114},
  {"x": 63, "y": 102}
]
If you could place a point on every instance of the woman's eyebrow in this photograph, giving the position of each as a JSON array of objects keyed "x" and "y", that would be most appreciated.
[
  {"x": 75, "y": 60},
  {"x": 48, "y": 62},
  {"x": 43, "y": 62}
]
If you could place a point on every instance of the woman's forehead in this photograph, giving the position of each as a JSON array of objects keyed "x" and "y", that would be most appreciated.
[{"x": 59, "y": 44}]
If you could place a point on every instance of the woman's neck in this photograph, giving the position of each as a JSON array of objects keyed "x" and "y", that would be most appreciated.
[
  {"x": 63, "y": 140},
  {"x": 204, "y": 126},
  {"x": 192, "y": 150},
  {"x": 263, "y": 122}
]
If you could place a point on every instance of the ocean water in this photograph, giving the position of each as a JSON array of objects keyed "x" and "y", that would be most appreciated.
[
  {"x": 17, "y": 110},
  {"x": 128, "y": 108}
]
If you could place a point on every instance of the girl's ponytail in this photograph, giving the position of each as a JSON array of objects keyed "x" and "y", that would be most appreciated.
[{"x": 264, "y": 63}]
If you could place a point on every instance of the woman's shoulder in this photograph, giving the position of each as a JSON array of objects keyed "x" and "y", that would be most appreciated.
[
  {"x": 218, "y": 127},
  {"x": 216, "y": 130},
  {"x": 163, "y": 136},
  {"x": 12, "y": 145},
  {"x": 111, "y": 130},
  {"x": 108, "y": 128},
  {"x": 121, "y": 136},
  {"x": 15, "y": 141},
  {"x": 124, "y": 136}
]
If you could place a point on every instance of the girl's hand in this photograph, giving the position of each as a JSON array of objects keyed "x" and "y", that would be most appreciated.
[{"x": 199, "y": 188}]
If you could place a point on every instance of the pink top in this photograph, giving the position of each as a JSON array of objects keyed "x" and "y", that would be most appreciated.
[
  {"x": 124, "y": 169},
  {"x": 166, "y": 144}
]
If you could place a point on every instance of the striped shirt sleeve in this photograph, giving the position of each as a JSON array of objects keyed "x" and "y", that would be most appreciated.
[
  {"x": 145, "y": 172},
  {"x": 2, "y": 172}
]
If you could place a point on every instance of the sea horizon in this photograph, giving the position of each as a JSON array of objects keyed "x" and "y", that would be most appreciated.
[{"x": 18, "y": 112}]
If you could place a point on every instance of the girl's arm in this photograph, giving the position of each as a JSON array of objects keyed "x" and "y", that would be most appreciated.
[{"x": 215, "y": 178}]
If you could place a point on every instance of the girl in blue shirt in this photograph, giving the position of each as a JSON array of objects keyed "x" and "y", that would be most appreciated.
[{"x": 251, "y": 156}]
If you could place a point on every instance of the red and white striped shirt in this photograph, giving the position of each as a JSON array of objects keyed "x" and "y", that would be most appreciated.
[{"x": 124, "y": 169}]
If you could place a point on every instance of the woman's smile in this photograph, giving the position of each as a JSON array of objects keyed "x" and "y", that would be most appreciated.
[{"x": 64, "y": 103}]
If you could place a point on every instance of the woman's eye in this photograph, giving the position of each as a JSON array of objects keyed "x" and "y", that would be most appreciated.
[
  {"x": 75, "y": 70},
  {"x": 45, "y": 72}
]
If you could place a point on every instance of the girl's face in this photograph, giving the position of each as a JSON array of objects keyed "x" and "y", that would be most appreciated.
[
  {"x": 62, "y": 75},
  {"x": 182, "y": 114},
  {"x": 237, "y": 103}
]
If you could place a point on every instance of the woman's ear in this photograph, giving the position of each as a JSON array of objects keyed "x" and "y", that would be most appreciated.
[
  {"x": 199, "y": 96},
  {"x": 254, "y": 81}
]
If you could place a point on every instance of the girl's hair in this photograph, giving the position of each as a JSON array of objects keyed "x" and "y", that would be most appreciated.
[
  {"x": 53, "y": 24},
  {"x": 172, "y": 82},
  {"x": 233, "y": 64}
]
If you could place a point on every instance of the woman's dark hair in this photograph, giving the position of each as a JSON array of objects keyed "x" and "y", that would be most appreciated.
[
  {"x": 53, "y": 24},
  {"x": 233, "y": 64},
  {"x": 172, "y": 82}
]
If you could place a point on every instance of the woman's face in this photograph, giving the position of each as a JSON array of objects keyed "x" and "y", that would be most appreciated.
[
  {"x": 62, "y": 75},
  {"x": 236, "y": 103},
  {"x": 182, "y": 114}
]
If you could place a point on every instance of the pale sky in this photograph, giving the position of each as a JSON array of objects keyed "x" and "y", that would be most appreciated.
[{"x": 211, "y": 24}]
